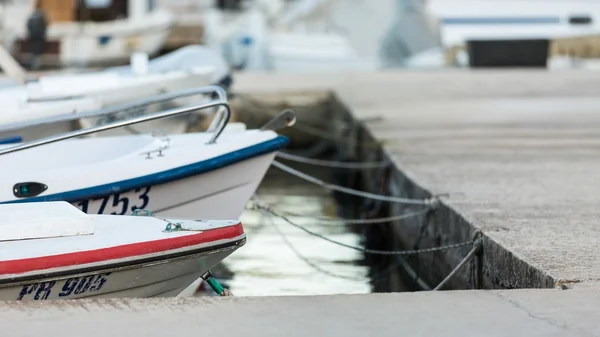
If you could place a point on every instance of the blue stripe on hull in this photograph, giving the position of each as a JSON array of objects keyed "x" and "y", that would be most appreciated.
[
  {"x": 547, "y": 20},
  {"x": 11, "y": 140},
  {"x": 164, "y": 176}
]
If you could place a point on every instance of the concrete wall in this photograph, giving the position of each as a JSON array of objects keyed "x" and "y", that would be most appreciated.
[{"x": 498, "y": 269}]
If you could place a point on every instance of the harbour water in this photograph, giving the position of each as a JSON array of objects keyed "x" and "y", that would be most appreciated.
[{"x": 268, "y": 266}]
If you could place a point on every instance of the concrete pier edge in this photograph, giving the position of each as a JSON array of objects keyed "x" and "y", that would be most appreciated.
[
  {"x": 516, "y": 150},
  {"x": 524, "y": 312},
  {"x": 502, "y": 269},
  {"x": 465, "y": 132}
]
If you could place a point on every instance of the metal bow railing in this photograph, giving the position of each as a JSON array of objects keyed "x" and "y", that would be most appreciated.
[
  {"x": 123, "y": 107},
  {"x": 219, "y": 122}
]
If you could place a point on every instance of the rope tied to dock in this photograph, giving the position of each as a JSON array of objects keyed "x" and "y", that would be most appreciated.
[
  {"x": 215, "y": 285},
  {"x": 477, "y": 243},
  {"x": 341, "y": 221},
  {"x": 136, "y": 212},
  {"x": 173, "y": 227},
  {"x": 375, "y": 145},
  {"x": 320, "y": 269},
  {"x": 477, "y": 247},
  {"x": 432, "y": 202},
  {"x": 170, "y": 227},
  {"x": 334, "y": 164},
  {"x": 360, "y": 249}
]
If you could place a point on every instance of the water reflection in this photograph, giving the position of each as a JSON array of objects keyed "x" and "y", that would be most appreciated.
[{"x": 266, "y": 266}]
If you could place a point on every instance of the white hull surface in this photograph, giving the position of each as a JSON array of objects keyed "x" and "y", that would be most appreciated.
[
  {"x": 251, "y": 42},
  {"x": 46, "y": 130},
  {"x": 18, "y": 109},
  {"x": 313, "y": 52},
  {"x": 463, "y": 20},
  {"x": 112, "y": 88},
  {"x": 92, "y": 92},
  {"x": 116, "y": 256},
  {"x": 114, "y": 175},
  {"x": 56, "y": 99}
]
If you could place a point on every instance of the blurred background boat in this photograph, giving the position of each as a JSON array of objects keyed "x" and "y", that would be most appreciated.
[{"x": 90, "y": 32}]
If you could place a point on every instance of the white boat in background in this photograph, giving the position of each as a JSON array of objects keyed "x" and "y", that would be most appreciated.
[
  {"x": 526, "y": 33},
  {"x": 462, "y": 20},
  {"x": 185, "y": 59},
  {"x": 316, "y": 52},
  {"x": 62, "y": 96},
  {"x": 91, "y": 32},
  {"x": 19, "y": 110},
  {"x": 266, "y": 37},
  {"x": 54, "y": 251},
  {"x": 111, "y": 88},
  {"x": 188, "y": 67},
  {"x": 328, "y": 35}
]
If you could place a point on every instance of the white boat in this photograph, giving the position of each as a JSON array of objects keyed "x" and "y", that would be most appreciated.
[
  {"x": 83, "y": 33},
  {"x": 111, "y": 88},
  {"x": 62, "y": 97},
  {"x": 19, "y": 110},
  {"x": 178, "y": 175},
  {"x": 314, "y": 52},
  {"x": 328, "y": 35},
  {"x": 258, "y": 41},
  {"x": 532, "y": 32},
  {"x": 463, "y": 20},
  {"x": 179, "y": 186},
  {"x": 188, "y": 67},
  {"x": 52, "y": 251}
]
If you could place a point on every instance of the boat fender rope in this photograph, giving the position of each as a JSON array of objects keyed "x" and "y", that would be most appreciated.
[
  {"x": 137, "y": 211},
  {"x": 173, "y": 227},
  {"x": 215, "y": 285}
]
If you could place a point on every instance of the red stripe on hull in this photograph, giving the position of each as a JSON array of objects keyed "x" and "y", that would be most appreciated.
[{"x": 118, "y": 252}]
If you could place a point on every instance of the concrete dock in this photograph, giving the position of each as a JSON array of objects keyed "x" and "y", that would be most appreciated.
[
  {"x": 516, "y": 150},
  {"x": 530, "y": 313}
]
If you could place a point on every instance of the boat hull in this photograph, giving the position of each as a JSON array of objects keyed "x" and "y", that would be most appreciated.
[
  {"x": 220, "y": 194},
  {"x": 214, "y": 183},
  {"x": 112, "y": 96},
  {"x": 173, "y": 125},
  {"x": 40, "y": 131},
  {"x": 163, "y": 278}
]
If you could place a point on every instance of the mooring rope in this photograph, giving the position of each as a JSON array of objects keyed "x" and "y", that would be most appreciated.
[
  {"x": 315, "y": 132},
  {"x": 360, "y": 249},
  {"x": 342, "y": 189},
  {"x": 477, "y": 244},
  {"x": 304, "y": 258},
  {"x": 334, "y": 164},
  {"x": 341, "y": 221},
  {"x": 376, "y": 145},
  {"x": 342, "y": 121},
  {"x": 321, "y": 270}
]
